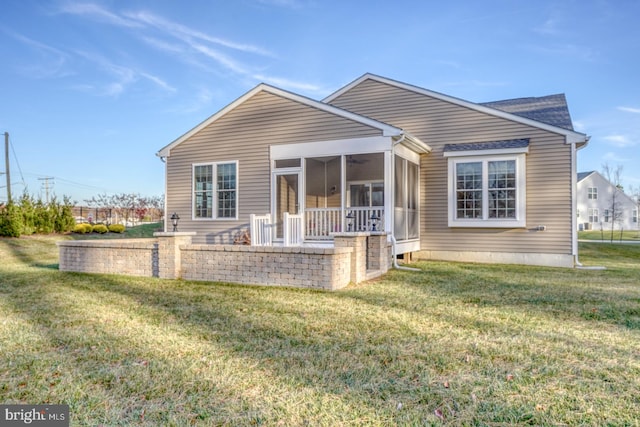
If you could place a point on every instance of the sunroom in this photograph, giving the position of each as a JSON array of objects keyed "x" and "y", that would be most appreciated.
[{"x": 341, "y": 186}]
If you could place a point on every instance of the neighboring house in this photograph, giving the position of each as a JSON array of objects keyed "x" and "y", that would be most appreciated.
[
  {"x": 447, "y": 178},
  {"x": 602, "y": 205}
]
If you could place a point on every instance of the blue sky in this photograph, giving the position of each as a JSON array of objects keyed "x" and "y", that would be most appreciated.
[{"x": 91, "y": 90}]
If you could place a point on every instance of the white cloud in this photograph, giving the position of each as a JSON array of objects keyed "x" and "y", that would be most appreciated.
[
  {"x": 549, "y": 27},
  {"x": 621, "y": 141},
  {"x": 613, "y": 157},
  {"x": 52, "y": 62},
  {"x": 158, "y": 81},
  {"x": 97, "y": 12},
  {"x": 188, "y": 35},
  {"x": 287, "y": 84},
  {"x": 122, "y": 76},
  {"x": 630, "y": 110}
]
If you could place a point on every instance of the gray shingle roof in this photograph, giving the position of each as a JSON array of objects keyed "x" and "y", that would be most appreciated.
[
  {"x": 583, "y": 175},
  {"x": 492, "y": 145},
  {"x": 551, "y": 109}
]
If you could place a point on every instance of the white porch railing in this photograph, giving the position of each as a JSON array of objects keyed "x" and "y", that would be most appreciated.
[
  {"x": 261, "y": 230},
  {"x": 321, "y": 222},
  {"x": 292, "y": 231},
  {"x": 316, "y": 224}
]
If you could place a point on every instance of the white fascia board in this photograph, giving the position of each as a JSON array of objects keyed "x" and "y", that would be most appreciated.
[
  {"x": 493, "y": 152},
  {"x": 335, "y": 147},
  {"x": 572, "y": 137},
  {"x": 415, "y": 144},
  {"x": 386, "y": 129}
]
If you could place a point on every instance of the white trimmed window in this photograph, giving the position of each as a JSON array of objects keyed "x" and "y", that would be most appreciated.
[
  {"x": 487, "y": 191},
  {"x": 592, "y": 193},
  {"x": 607, "y": 215},
  {"x": 594, "y": 215},
  {"x": 634, "y": 216},
  {"x": 215, "y": 190}
]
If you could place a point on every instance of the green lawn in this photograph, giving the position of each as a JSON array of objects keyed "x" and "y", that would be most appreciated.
[
  {"x": 626, "y": 235},
  {"x": 455, "y": 344}
]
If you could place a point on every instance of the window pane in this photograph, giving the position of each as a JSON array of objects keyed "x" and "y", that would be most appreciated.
[
  {"x": 288, "y": 163},
  {"x": 377, "y": 194},
  {"x": 502, "y": 189},
  {"x": 203, "y": 191},
  {"x": 469, "y": 190},
  {"x": 226, "y": 183}
]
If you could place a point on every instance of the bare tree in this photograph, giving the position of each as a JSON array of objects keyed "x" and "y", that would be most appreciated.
[{"x": 614, "y": 176}]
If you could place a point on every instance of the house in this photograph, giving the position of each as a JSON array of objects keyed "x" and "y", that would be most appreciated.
[
  {"x": 601, "y": 205},
  {"x": 447, "y": 178}
]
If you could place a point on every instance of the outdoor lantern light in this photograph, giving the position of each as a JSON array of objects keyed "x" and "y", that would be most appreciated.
[
  {"x": 174, "y": 220},
  {"x": 374, "y": 222},
  {"x": 350, "y": 220}
]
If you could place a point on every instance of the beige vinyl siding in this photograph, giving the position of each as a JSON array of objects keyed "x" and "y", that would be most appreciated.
[
  {"x": 437, "y": 123},
  {"x": 245, "y": 134}
]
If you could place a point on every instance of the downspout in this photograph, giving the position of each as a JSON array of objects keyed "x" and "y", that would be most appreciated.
[
  {"x": 574, "y": 203},
  {"x": 393, "y": 238}
]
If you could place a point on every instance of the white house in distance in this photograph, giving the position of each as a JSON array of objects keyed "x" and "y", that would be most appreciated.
[{"x": 601, "y": 204}]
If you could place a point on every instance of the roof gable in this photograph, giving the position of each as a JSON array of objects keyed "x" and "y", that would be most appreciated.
[
  {"x": 386, "y": 129},
  {"x": 571, "y": 135}
]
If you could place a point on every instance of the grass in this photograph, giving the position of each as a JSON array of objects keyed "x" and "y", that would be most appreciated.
[
  {"x": 456, "y": 344},
  {"x": 626, "y": 235}
]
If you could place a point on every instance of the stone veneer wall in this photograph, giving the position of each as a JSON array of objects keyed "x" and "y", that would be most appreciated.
[
  {"x": 317, "y": 268},
  {"x": 356, "y": 257},
  {"x": 132, "y": 257}
]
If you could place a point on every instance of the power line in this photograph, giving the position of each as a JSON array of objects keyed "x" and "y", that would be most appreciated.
[{"x": 46, "y": 185}]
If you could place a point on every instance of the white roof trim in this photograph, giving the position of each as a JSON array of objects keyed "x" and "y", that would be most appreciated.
[
  {"x": 386, "y": 129},
  {"x": 487, "y": 152},
  {"x": 572, "y": 137}
]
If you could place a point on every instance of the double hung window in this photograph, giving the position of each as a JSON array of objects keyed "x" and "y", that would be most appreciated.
[
  {"x": 487, "y": 191},
  {"x": 215, "y": 190}
]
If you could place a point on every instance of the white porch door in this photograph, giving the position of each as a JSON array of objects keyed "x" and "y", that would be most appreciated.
[{"x": 286, "y": 197}]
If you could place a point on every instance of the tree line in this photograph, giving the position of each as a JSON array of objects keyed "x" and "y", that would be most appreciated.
[{"x": 29, "y": 215}]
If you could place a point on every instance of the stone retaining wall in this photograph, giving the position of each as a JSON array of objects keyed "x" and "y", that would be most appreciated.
[
  {"x": 328, "y": 269},
  {"x": 132, "y": 257},
  {"x": 354, "y": 258}
]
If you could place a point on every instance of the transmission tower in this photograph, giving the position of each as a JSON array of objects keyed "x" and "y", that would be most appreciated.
[{"x": 45, "y": 184}]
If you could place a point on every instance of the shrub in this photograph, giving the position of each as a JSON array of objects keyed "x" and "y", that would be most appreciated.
[
  {"x": 80, "y": 228},
  {"x": 63, "y": 219},
  {"x": 83, "y": 228},
  {"x": 11, "y": 221},
  {"x": 100, "y": 228},
  {"x": 116, "y": 228}
]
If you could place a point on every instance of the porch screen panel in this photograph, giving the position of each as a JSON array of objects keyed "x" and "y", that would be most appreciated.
[
  {"x": 400, "y": 217},
  {"x": 413, "y": 193},
  {"x": 406, "y": 203}
]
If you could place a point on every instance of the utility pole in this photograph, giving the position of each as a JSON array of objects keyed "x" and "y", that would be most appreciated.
[
  {"x": 6, "y": 162},
  {"x": 46, "y": 186}
]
